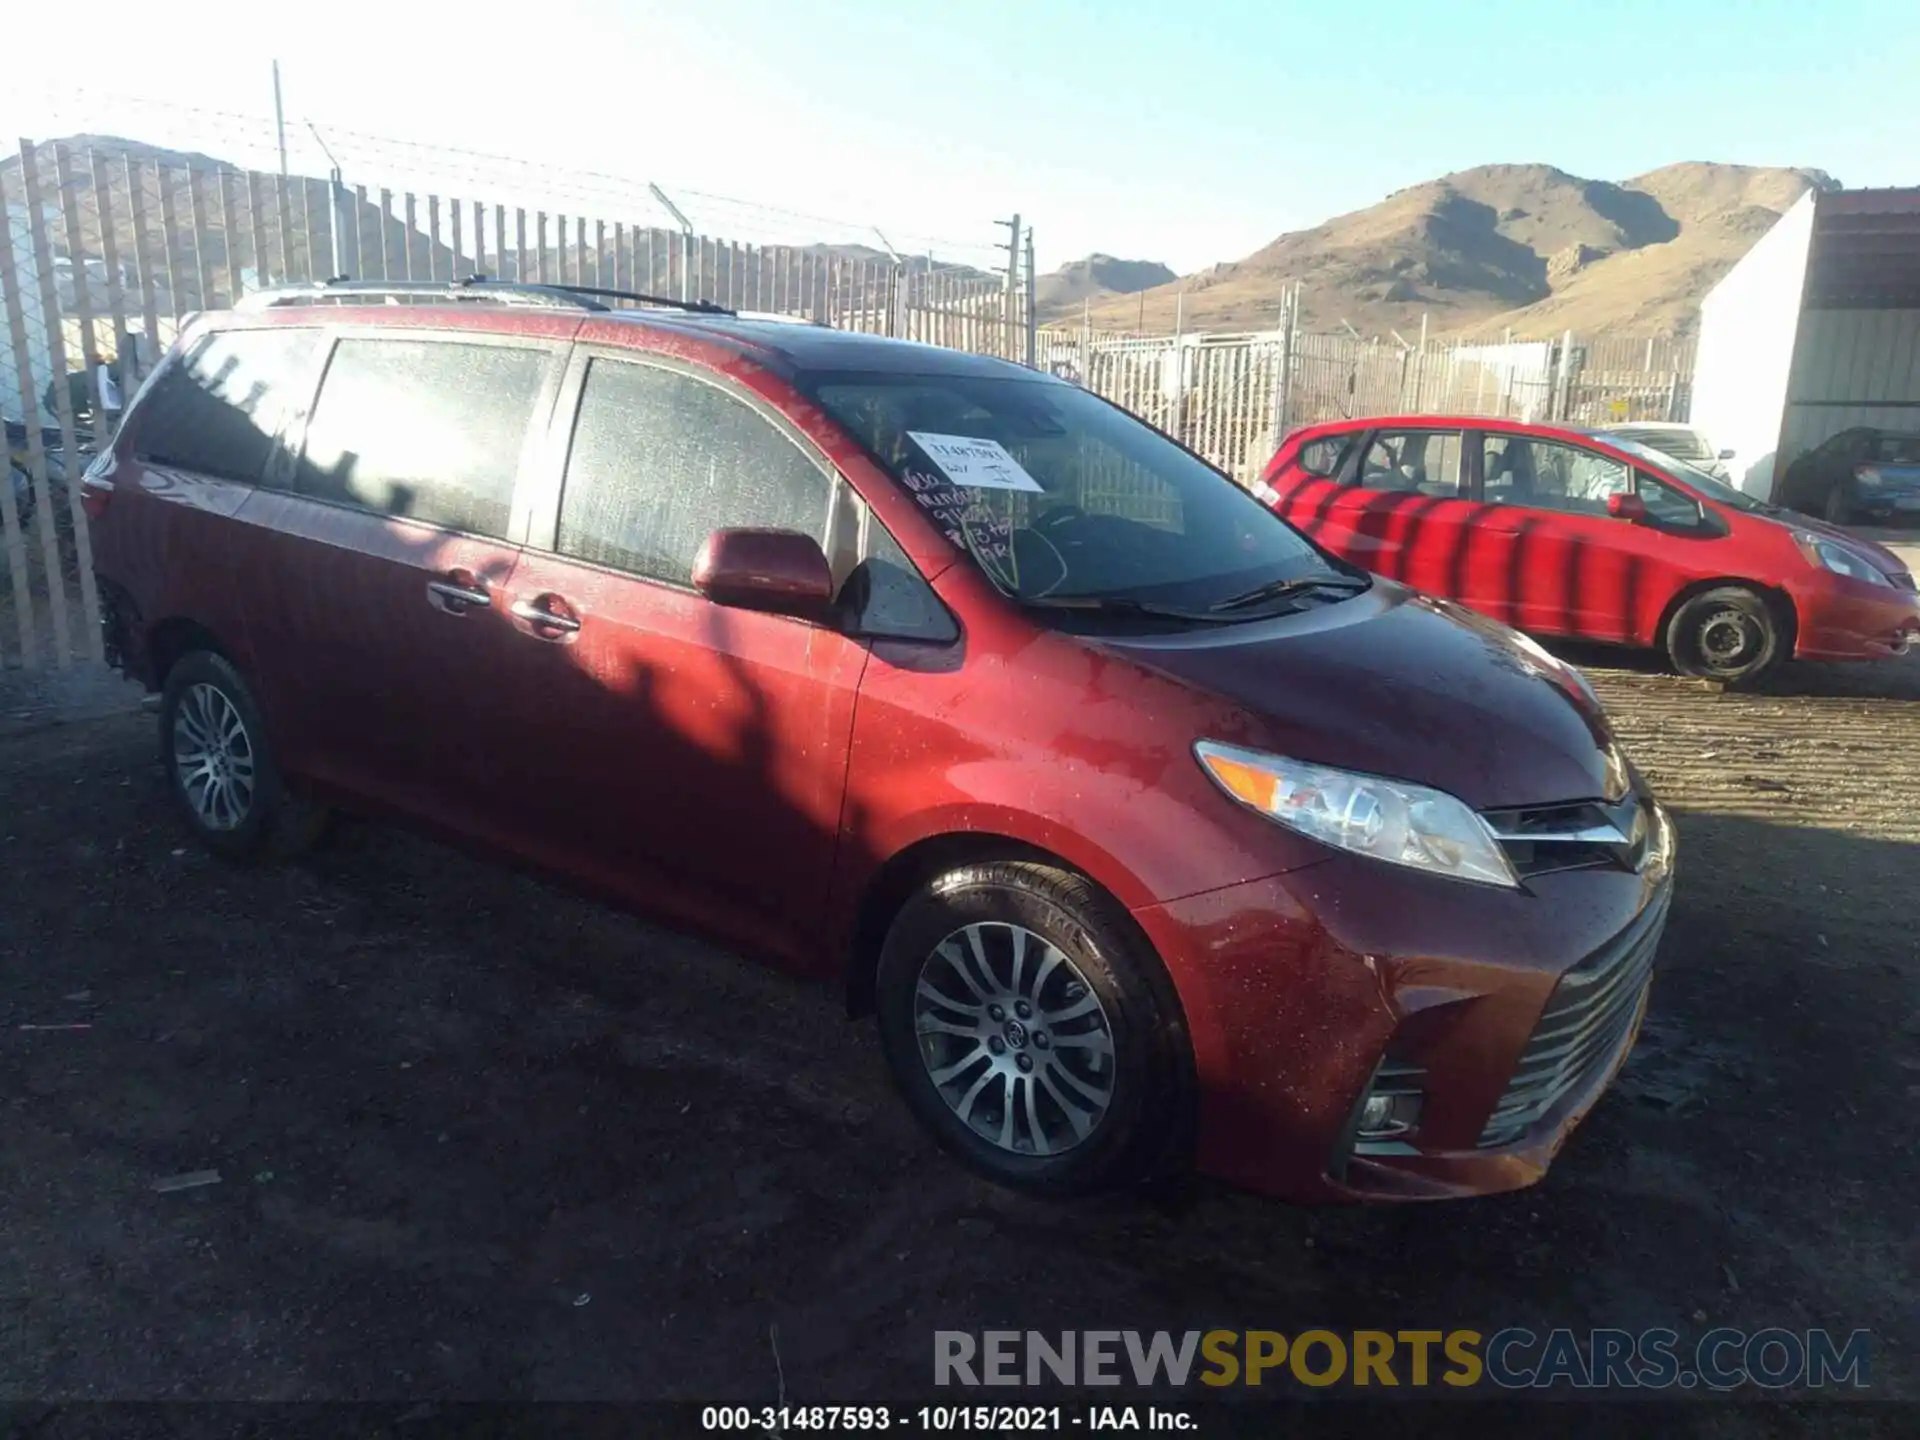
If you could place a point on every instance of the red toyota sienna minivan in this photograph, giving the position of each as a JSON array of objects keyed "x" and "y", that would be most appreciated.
[{"x": 1152, "y": 833}]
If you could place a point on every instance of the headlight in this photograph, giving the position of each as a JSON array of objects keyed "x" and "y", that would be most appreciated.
[
  {"x": 1867, "y": 478},
  {"x": 1840, "y": 559},
  {"x": 1384, "y": 819}
]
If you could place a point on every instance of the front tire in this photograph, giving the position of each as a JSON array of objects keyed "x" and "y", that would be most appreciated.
[
  {"x": 1033, "y": 1032},
  {"x": 220, "y": 771},
  {"x": 1728, "y": 634}
]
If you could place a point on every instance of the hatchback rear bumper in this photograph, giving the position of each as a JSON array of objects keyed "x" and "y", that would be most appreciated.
[{"x": 1297, "y": 989}]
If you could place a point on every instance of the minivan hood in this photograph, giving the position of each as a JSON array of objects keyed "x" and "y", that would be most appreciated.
[{"x": 1408, "y": 687}]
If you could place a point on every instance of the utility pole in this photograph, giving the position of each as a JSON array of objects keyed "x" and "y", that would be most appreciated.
[
  {"x": 1011, "y": 315},
  {"x": 279, "y": 118},
  {"x": 686, "y": 240}
]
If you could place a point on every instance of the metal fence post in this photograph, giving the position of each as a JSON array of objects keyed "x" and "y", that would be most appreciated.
[
  {"x": 1563, "y": 381},
  {"x": 1283, "y": 376},
  {"x": 1033, "y": 321}
]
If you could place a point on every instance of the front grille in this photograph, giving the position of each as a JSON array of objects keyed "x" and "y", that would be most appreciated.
[
  {"x": 1583, "y": 1028},
  {"x": 1576, "y": 835}
]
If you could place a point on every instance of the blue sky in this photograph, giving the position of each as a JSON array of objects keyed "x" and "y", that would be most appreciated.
[{"x": 1182, "y": 130}]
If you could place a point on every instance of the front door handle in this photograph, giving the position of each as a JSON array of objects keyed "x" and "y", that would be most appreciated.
[
  {"x": 548, "y": 616},
  {"x": 460, "y": 591}
]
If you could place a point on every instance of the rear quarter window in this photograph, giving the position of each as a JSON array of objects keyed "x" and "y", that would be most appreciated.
[{"x": 218, "y": 410}]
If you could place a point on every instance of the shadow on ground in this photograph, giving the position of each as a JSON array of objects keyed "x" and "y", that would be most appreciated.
[{"x": 479, "y": 1138}]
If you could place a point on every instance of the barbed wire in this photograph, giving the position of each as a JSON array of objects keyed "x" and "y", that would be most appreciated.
[{"x": 316, "y": 147}]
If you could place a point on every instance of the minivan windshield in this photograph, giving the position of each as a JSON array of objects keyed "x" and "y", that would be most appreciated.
[
  {"x": 1712, "y": 487},
  {"x": 1060, "y": 497}
]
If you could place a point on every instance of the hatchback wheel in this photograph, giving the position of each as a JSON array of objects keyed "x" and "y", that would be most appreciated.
[
  {"x": 1729, "y": 634},
  {"x": 219, "y": 769},
  {"x": 1032, "y": 1031}
]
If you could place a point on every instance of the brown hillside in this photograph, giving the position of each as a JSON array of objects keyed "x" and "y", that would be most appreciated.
[
  {"x": 1063, "y": 293},
  {"x": 1529, "y": 246}
]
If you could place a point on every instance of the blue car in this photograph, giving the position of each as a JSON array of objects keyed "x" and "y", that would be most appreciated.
[{"x": 1859, "y": 475}]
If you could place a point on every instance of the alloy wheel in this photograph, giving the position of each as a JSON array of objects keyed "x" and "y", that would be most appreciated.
[
  {"x": 214, "y": 757},
  {"x": 1014, "y": 1039}
]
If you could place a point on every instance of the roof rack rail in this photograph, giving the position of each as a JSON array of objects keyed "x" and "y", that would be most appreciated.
[{"x": 474, "y": 289}]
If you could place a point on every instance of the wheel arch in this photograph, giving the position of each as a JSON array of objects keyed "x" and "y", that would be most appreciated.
[
  {"x": 902, "y": 874},
  {"x": 170, "y": 639},
  {"x": 1777, "y": 600}
]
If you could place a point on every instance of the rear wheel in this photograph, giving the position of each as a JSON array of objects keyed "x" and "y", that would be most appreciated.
[
  {"x": 1032, "y": 1031},
  {"x": 219, "y": 769},
  {"x": 1729, "y": 634}
]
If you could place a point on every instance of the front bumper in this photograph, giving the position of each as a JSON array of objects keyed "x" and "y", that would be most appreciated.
[
  {"x": 1845, "y": 619},
  {"x": 1298, "y": 987}
]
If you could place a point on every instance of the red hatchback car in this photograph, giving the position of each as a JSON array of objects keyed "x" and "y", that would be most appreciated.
[
  {"x": 1151, "y": 832},
  {"x": 1589, "y": 535}
]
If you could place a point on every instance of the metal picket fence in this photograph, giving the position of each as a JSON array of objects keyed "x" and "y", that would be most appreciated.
[
  {"x": 108, "y": 251},
  {"x": 1233, "y": 398}
]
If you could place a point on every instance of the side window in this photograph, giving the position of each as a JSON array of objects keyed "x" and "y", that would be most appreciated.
[
  {"x": 217, "y": 411},
  {"x": 1666, "y": 506},
  {"x": 1413, "y": 462},
  {"x": 423, "y": 430},
  {"x": 660, "y": 460},
  {"x": 1546, "y": 475},
  {"x": 1322, "y": 457}
]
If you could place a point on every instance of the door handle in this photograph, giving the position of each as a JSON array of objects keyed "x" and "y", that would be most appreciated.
[
  {"x": 541, "y": 614},
  {"x": 461, "y": 592}
]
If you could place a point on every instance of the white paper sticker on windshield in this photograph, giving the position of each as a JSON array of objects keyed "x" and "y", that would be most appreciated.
[{"x": 980, "y": 464}]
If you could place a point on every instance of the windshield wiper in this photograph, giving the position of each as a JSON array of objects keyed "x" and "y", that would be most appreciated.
[
  {"x": 1120, "y": 605},
  {"x": 1281, "y": 589}
]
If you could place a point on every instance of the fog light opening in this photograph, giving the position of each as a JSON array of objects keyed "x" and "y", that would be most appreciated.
[
  {"x": 1386, "y": 1116},
  {"x": 1390, "y": 1109}
]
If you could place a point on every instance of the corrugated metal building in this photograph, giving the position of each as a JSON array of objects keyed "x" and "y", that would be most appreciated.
[{"x": 1816, "y": 330}]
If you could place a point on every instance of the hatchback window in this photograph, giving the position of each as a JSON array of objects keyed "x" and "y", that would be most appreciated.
[
  {"x": 661, "y": 459},
  {"x": 1895, "y": 450},
  {"x": 1322, "y": 457},
  {"x": 218, "y": 411},
  {"x": 1413, "y": 462},
  {"x": 423, "y": 430},
  {"x": 1546, "y": 475},
  {"x": 1058, "y": 495},
  {"x": 1666, "y": 505}
]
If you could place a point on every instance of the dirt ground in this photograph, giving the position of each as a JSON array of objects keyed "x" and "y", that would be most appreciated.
[{"x": 477, "y": 1137}]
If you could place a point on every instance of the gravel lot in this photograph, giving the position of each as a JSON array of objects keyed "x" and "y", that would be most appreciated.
[{"x": 477, "y": 1137}]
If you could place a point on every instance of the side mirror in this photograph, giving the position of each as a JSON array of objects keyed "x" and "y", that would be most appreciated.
[
  {"x": 1626, "y": 507},
  {"x": 1726, "y": 454},
  {"x": 781, "y": 571}
]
